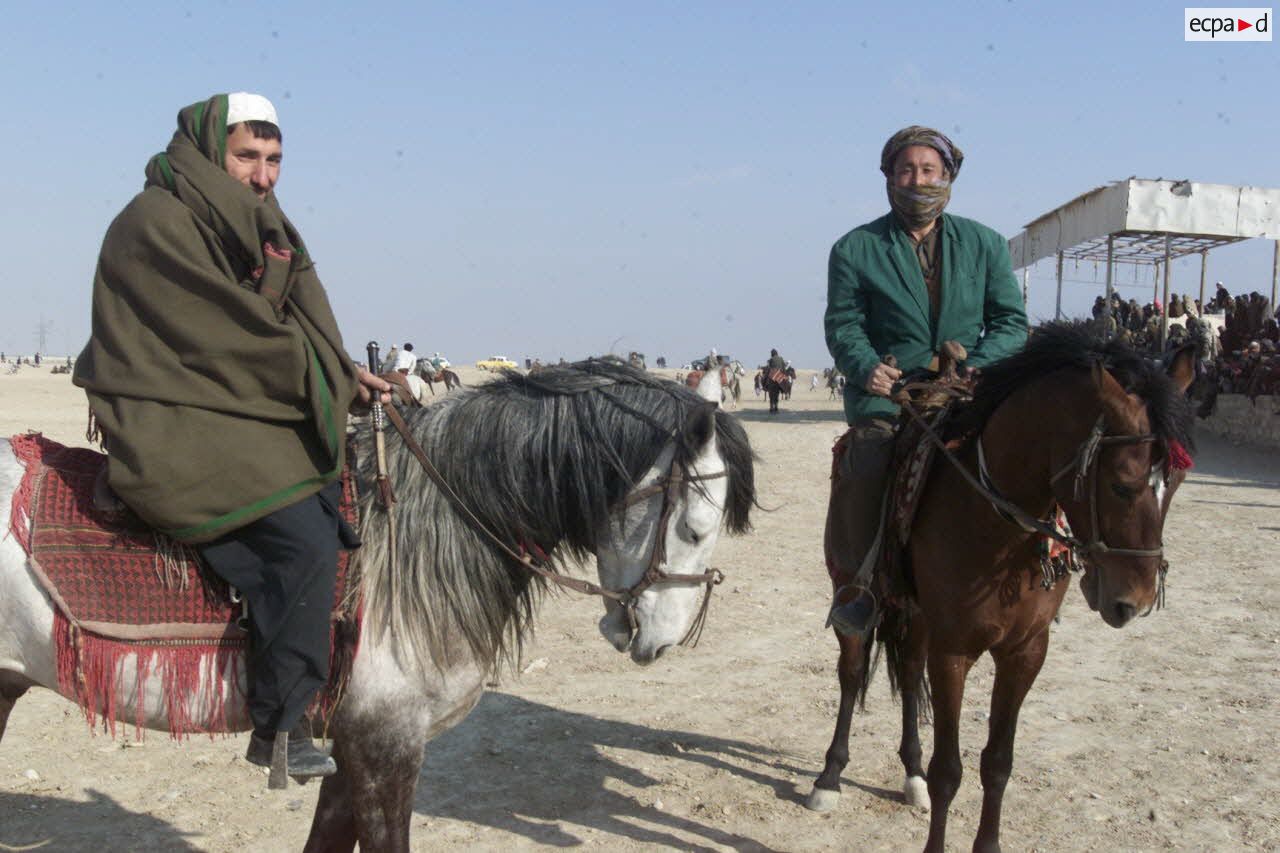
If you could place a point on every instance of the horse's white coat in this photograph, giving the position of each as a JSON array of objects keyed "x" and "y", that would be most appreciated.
[{"x": 27, "y": 611}]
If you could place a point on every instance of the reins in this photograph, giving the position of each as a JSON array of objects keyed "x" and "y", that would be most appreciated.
[
  {"x": 1085, "y": 462},
  {"x": 668, "y": 487}
]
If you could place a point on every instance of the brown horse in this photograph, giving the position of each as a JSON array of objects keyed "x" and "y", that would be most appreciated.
[{"x": 1089, "y": 426}]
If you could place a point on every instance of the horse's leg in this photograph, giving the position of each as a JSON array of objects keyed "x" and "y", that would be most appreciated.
[
  {"x": 947, "y": 673},
  {"x": 915, "y": 791},
  {"x": 333, "y": 826},
  {"x": 851, "y": 670},
  {"x": 379, "y": 769},
  {"x": 11, "y": 689},
  {"x": 1015, "y": 673}
]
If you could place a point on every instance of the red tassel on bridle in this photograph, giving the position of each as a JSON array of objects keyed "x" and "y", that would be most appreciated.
[{"x": 1179, "y": 458}]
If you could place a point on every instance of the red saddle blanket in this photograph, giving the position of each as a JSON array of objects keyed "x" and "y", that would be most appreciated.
[
  {"x": 120, "y": 588},
  {"x": 695, "y": 376},
  {"x": 777, "y": 376}
]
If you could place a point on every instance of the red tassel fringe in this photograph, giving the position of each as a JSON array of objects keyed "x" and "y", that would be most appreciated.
[
  {"x": 90, "y": 670},
  {"x": 27, "y": 449}
]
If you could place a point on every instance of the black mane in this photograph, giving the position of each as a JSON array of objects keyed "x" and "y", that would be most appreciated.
[{"x": 1078, "y": 345}]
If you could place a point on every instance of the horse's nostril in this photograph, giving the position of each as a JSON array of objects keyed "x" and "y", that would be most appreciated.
[{"x": 1125, "y": 612}]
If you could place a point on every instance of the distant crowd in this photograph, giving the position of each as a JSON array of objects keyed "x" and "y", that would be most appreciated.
[{"x": 1236, "y": 337}]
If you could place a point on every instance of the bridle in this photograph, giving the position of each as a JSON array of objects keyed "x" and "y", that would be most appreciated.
[
  {"x": 1084, "y": 463},
  {"x": 668, "y": 486}
]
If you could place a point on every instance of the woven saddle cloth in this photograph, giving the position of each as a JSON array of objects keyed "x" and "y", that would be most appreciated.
[
  {"x": 107, "y": 572},
  {"x": 123, "y": 592}
]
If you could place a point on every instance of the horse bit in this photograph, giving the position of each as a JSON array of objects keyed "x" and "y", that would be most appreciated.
[{"x": 669, "y": 487}]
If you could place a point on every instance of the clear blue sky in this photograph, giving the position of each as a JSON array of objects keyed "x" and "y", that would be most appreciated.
[{"x": 558, "y": 178}]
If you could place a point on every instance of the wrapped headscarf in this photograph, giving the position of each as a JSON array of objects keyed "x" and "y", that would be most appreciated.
[{"x": 918, "y": 206}]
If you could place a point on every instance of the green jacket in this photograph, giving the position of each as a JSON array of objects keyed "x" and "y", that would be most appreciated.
[{"x": 877, "y": 303}]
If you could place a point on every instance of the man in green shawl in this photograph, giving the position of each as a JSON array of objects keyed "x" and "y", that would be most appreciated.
[
  {"x": 219, "y": 385},
  {"x": 903, "y": 285}
]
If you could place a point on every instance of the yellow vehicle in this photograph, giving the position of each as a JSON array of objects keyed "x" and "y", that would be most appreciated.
[{"x": 495, "y": 362}]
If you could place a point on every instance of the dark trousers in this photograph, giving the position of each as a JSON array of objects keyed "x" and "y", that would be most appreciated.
[
  {"x": 284, "y": 565},
  {"x": 857, "y": 491}
]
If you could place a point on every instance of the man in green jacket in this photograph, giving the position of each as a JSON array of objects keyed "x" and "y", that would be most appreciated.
[
  {"x": 219, "y": 385},
  {"x": 902, "y": 285}
]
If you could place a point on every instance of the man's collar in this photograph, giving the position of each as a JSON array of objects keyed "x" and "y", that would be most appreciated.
[{"x": 896, "y": 225}]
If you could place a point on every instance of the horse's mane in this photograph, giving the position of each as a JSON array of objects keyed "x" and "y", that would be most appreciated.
[
  {"x": 1079, "y": 345},
  {"x": 541, "y": 459}
]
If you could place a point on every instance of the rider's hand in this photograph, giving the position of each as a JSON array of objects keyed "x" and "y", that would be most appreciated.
[
  {"x": 368, "y": 385},
  {"x": 880, "y": 380}
]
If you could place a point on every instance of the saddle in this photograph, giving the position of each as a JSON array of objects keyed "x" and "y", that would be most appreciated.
[
  {"x": 120, "y": 588},
  {"x": 695, "y": 376},
  {"x": 776, "y": 375}
]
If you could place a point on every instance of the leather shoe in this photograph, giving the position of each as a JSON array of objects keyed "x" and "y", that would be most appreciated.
[{"x": 304, "y": 761}]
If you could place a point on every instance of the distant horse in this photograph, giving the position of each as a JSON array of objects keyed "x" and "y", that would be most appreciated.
[
  {"x": 1091, "y": 427},
  {"x": 727, "y": 386},
  {"x": 775, "y": 383},
  {"x": 594, "y": 459},
  {"x": 449, "y": 378},
  {"x": 431, "y": 375},
  {"x": 734, "y": 385},
  {"x": 791, "y": 377}
]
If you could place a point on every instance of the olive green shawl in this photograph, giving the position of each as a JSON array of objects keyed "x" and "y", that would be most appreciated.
[{"x": 215, "y": 369}]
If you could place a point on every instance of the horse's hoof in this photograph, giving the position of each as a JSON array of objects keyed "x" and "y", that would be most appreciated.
[
  {"x": 822, "y": 800},
  {"x": 915, "y": 791}
]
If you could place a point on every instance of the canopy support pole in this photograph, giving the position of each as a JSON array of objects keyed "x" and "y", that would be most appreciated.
[
  {"x": 1164, "y": 314},
  {"x": 1106, "y": 308},
  {"x": 1057, "y": 308},
  {"x": 1275, "y": 276},
  {"x": 1204, "y": 261}
]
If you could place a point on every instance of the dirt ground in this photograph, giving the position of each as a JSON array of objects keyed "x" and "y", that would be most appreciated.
[{"x": 1161, "y": 736}]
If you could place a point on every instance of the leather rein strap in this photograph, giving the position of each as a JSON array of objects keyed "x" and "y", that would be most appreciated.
[
  {"x": 669, "y": 487},
  {"x": 1085, "y": 463}
]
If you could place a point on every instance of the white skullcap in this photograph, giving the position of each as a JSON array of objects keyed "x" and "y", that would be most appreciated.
[{"x": 246, "y": 106}]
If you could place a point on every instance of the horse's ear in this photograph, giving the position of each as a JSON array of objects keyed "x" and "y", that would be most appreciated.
[
  {"x": 700, "y": 425},
  {"x": 1182, "y": 367},
  {"x": 1122, "y": 408}
]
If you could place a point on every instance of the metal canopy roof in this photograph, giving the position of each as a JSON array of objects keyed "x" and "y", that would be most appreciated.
[
  {"x": 1138, "y": 215},
  {"x": 1144, "y": 247}
]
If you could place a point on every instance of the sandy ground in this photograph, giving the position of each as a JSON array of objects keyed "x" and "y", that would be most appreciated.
[{"x": 1160, "y": 736}]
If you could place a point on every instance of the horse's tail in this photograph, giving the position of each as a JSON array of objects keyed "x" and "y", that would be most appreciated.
[{"x": 894, "y": 635}]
